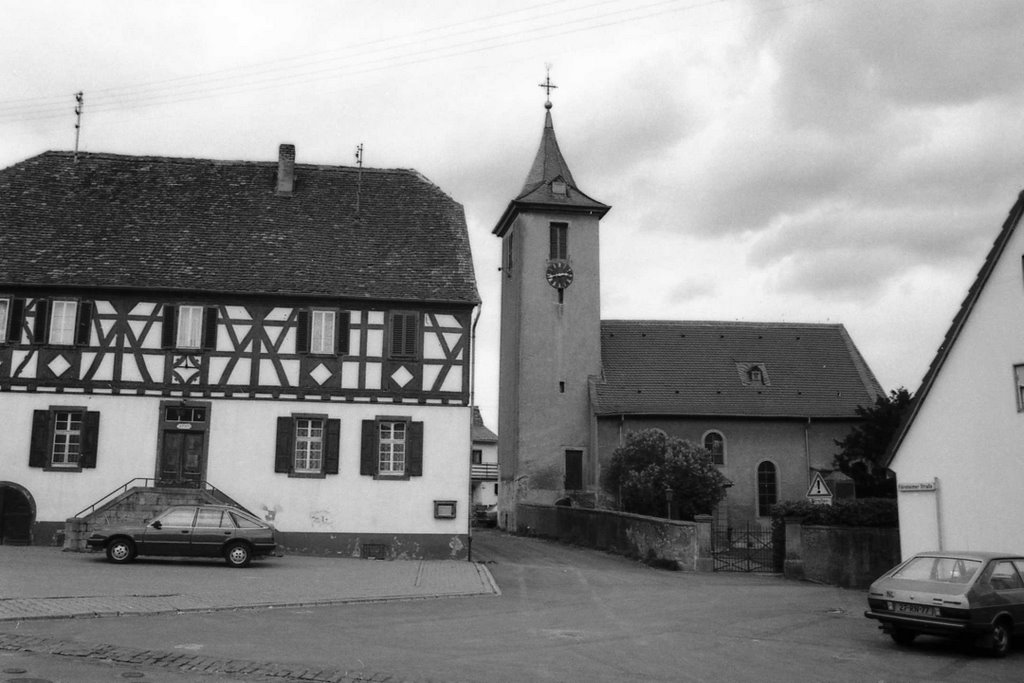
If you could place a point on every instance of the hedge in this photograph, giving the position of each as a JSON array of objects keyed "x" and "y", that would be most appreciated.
[{"x": 872, "y": 512}]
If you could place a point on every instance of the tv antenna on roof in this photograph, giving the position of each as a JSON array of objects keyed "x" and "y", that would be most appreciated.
[
  {"x": 79, "y": 105},
  {"x": 359, "y": 179}
]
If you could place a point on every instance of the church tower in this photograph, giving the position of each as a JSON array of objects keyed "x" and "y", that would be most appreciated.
[{"x": 550, "y": 334}]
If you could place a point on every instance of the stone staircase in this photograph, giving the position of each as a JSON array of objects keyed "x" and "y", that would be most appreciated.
[{"x": 136, "y": 506}]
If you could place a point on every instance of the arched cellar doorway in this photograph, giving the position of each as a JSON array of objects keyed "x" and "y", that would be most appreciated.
[{"x": 16, "y": 514}]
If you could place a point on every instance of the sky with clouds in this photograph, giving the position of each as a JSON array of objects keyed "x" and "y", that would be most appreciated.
[{"x": 843, "y": 161}]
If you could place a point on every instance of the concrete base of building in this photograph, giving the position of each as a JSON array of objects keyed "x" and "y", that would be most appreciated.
[{"x": 377, "y": 546}]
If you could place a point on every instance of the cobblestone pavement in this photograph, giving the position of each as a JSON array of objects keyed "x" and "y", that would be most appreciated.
[
  {"x": 40, "y": 583},
  {"x": 181, "y": 666}
]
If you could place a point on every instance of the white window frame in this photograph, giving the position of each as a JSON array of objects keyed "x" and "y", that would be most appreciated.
[
  {"x": 704, "y": 442},
  {"x": 392, "y": 447},
  {"x": 308, "y": 457},
  {"x": 63, "y": 315},
  {"x": 322, "y": 327},
  {"x": 190, "y": 327},
  {"x": 66, "y": 448},
  {"x": 5, "y": 318}
]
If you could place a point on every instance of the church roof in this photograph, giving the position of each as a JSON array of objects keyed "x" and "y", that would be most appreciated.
[
  {"x": 539, "y": 190},
  {"x": 731, "y": 369},
  {"x": 110, "y": 220}
]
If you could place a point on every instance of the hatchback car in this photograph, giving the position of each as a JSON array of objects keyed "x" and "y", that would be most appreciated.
[
  {"x": 191, "y": 531},
  {"x": 973, "y": 595}
]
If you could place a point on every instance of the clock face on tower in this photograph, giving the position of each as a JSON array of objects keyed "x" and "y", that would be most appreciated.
[{"x": 559, "y": 274}]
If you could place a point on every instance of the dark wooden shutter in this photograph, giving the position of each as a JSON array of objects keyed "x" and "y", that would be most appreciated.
[
  {"x": 167, "y": 335},
  {"x": 332, "y": 447},
  {"x": 285, "y": 445},
  {"x": 17, "y": 316},
  {"x": 414, "y": 450},
  {"x": 90, "y": 438},
  {"x": 84, "y": 323},
  {"x": 210, "y": 331},
  {"x": 39, "y": 448},
  {"x": 302, "y": 333},
  {"x": 39, "y": 324},
  {"x": 403, "y": 335},
  {"x": 368, "y": 456},
  {"x": 341, "y": 341}
]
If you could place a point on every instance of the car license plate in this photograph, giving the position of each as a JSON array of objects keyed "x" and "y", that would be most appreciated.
[{"x": 907, "y": 608}]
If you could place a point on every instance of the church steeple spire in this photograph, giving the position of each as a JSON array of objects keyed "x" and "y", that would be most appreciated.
[{"x": 549, "y": 184}]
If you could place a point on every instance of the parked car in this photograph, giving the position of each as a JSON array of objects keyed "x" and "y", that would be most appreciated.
[
  {"x": 970, "y": 595},
  {"x": 191, "y": 531},
  {"x": 485, "y": 515}
]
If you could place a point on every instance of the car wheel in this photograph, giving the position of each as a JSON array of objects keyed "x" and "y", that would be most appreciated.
[
  {"x": 120, "y": 550},
  {"x": 238, "y": 555},
  {"x": 1000, "y": 639},
  {"x": 902, "y": 636}
]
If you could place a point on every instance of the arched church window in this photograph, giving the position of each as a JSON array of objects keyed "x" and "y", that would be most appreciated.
[
  {"x": 767, "y": 488},
  {"x": 714, "y": 443}
]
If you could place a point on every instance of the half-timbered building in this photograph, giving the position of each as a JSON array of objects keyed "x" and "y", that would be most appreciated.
[{"x": 295, "y": 338}]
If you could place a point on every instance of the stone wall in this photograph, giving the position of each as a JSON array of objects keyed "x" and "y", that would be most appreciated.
[
  {"x": 850, "y": 557},
  {"x": 676, "y": 544}
]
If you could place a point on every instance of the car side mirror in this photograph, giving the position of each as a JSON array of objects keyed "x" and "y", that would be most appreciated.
[{"x": 156, "y": 524}]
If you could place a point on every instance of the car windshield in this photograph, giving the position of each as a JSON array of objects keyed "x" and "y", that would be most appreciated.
[{"x": 945, "y": 569}]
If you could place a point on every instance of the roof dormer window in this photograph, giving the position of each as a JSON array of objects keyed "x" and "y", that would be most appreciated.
[
  {"x": 753, "y": 374},
  {"x": 559, "y": 188}
]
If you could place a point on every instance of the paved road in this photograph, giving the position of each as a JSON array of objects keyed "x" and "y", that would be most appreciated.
[{"x": 564, "y": 614}]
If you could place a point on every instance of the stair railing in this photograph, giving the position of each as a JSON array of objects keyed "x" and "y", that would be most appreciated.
[{"x": 123, "y": 488}]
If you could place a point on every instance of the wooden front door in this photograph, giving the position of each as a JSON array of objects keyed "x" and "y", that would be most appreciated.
[{"x": 182, "y": 459}]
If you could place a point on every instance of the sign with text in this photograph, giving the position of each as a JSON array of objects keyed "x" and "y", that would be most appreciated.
[{"x": 918, "y": 486}]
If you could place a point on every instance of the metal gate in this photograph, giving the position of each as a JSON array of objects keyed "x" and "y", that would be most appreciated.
[{"x": 743, "y": 550}]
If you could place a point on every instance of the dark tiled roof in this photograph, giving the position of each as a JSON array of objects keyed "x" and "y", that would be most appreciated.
[
  {"x": 959, "y": 321},
  {"x": 700, "y": 368},
  {"x": 481, "y": 434},
  {"x": 196, "y": 224},
  {"x": 549, "y": 165}
]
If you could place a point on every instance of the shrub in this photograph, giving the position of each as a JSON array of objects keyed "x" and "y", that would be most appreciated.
[{"x": 871, "y": 512}]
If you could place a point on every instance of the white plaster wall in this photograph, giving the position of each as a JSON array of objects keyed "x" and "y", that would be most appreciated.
[
  {"x": 969, "y": 434},
  {"x": 126, "y": 449},
  {"x": 242, "y": 436},
  {"x": 241, "y": 462}
]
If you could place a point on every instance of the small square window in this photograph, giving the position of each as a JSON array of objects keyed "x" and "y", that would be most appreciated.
[{"x": 445, "y": 509}]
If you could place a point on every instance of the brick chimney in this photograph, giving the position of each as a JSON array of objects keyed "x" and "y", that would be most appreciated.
[{"x": 285, "y": 170}]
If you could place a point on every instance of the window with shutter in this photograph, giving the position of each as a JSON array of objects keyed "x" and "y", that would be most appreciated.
[
  {"x": 308, "y": 445},
  {"x": 392, "y": 448},
  {"x": 15, "y": 320},
  {"x": 322, "y": 330},
  {"x": 190, "y": 327},
  {"x": 5, "y": 315},
  {"x": 404, "y": 331},
  {"x": 63, "y": 316},
  {"x": 64, "y": 438}
]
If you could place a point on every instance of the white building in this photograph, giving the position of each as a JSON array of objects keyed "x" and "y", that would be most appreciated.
[
  {"x": 294, "y": 336},
  {"x": 958, "y": 457}
]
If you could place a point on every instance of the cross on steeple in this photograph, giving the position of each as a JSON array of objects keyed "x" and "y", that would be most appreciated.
[{"x": 548, "y": 87}]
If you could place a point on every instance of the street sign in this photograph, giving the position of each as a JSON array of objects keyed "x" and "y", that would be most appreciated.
[{"x": 819, "y": 492}]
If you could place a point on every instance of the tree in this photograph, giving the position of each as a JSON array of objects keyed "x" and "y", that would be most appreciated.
[
  {"x": 863, "y": 451},
  {"x": 650, "y": 463}
]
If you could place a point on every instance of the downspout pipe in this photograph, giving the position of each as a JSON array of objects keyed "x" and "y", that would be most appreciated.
[{"x": 472, "y": 403}]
